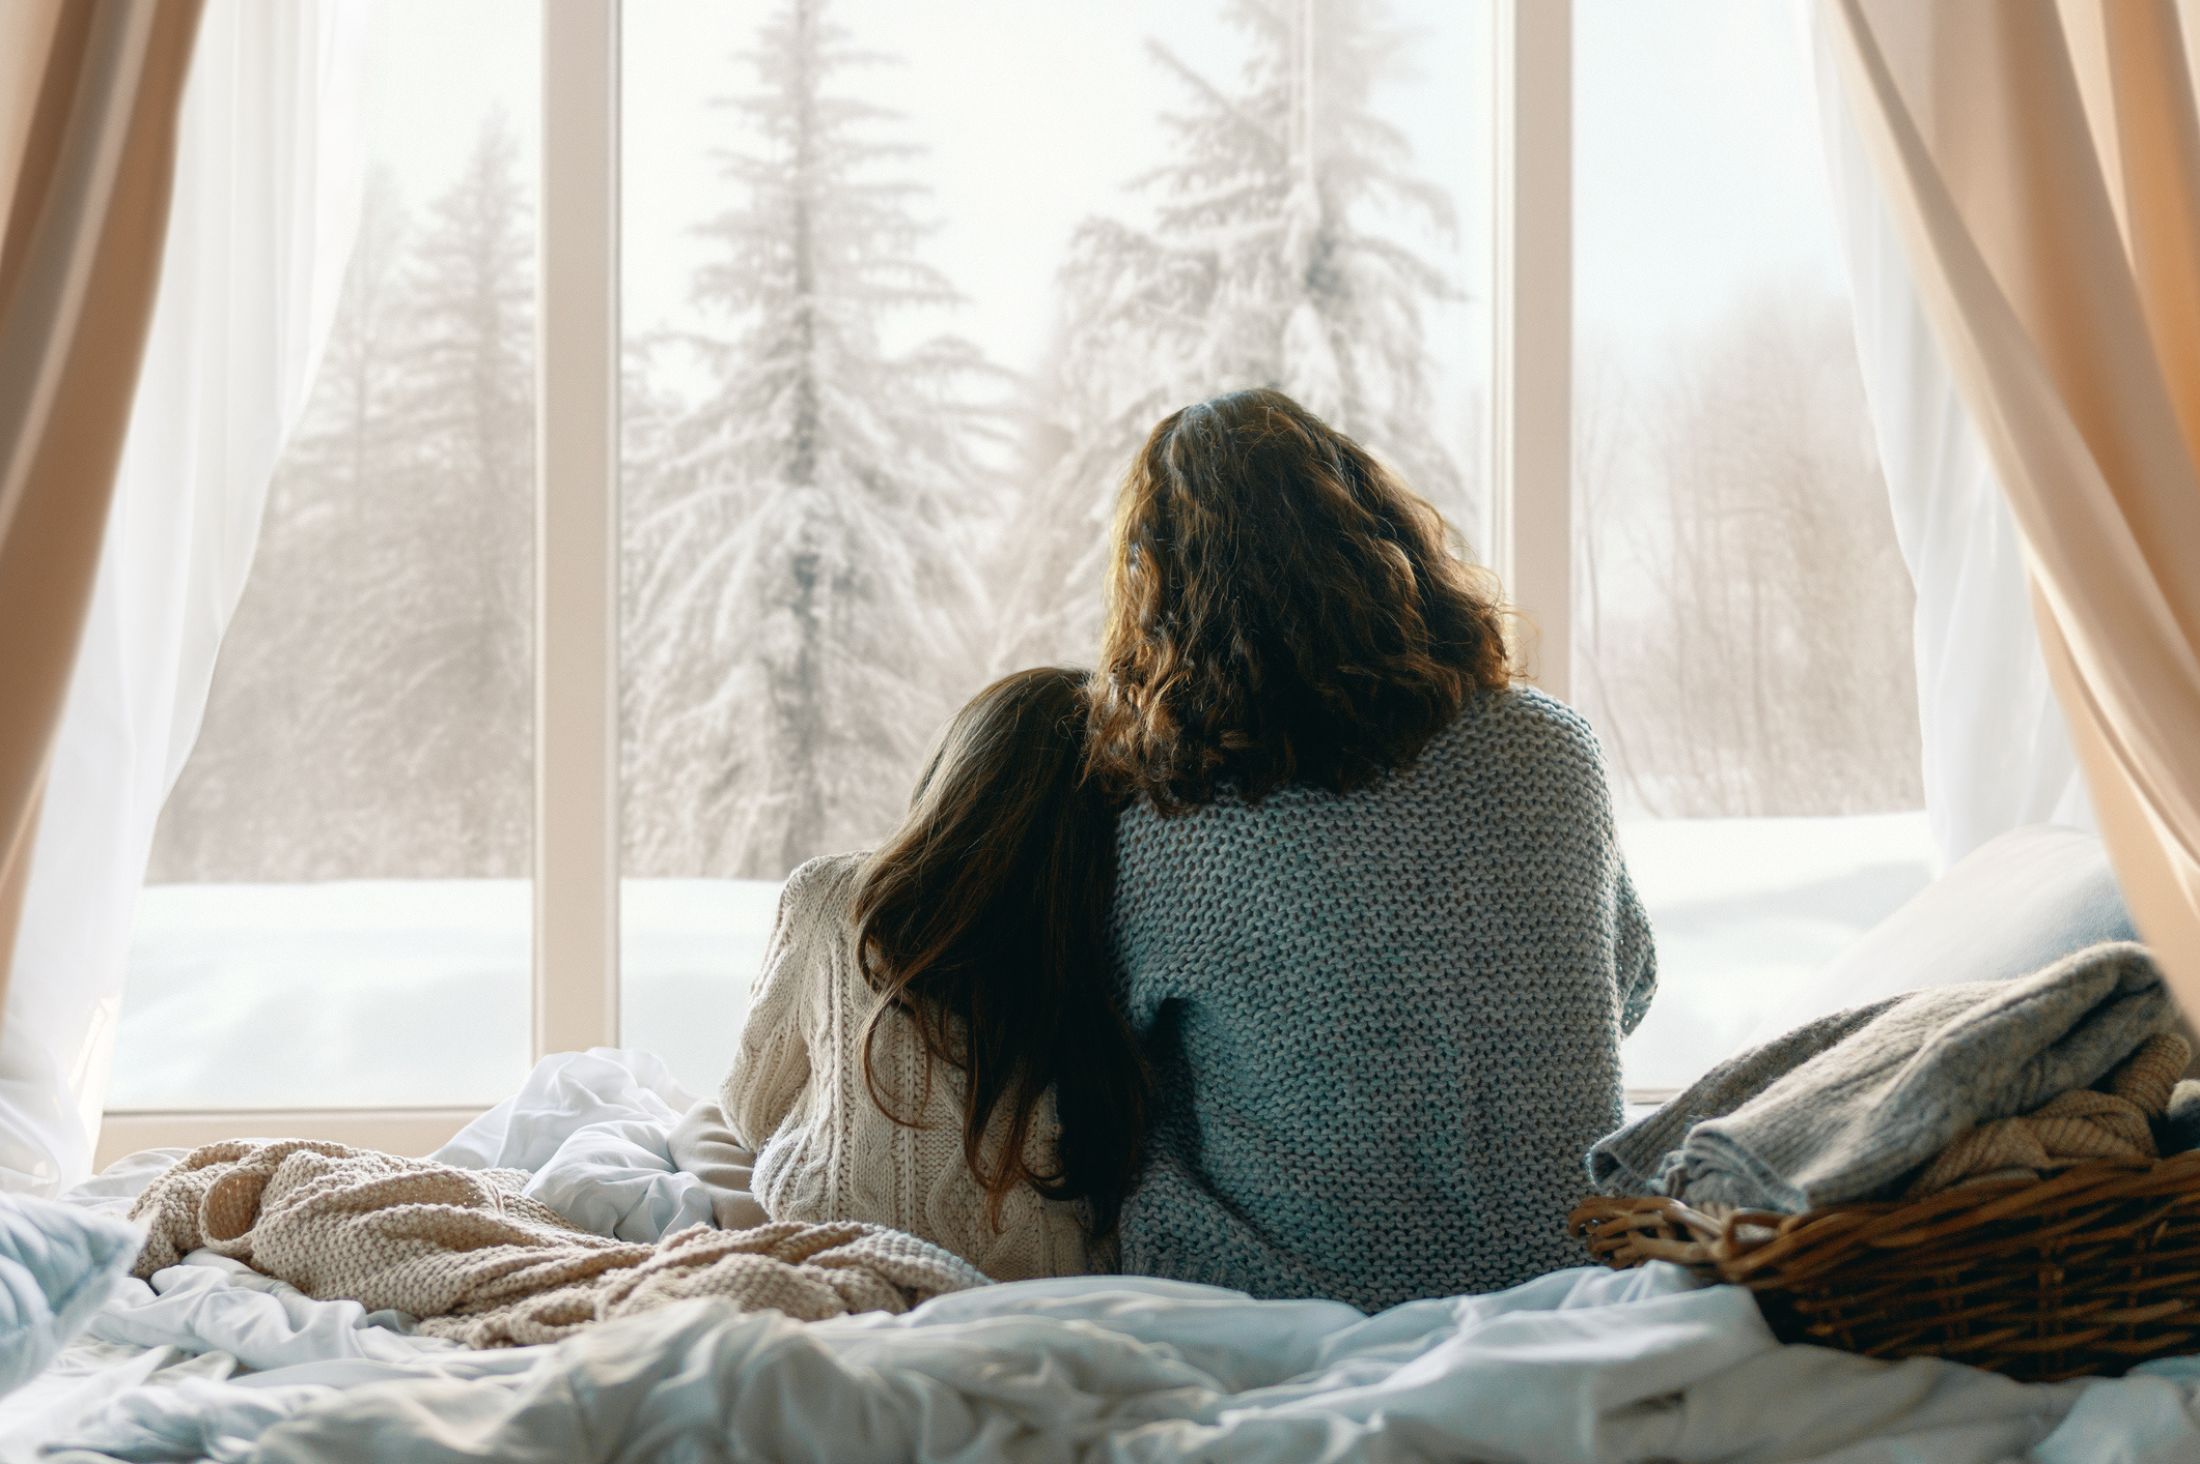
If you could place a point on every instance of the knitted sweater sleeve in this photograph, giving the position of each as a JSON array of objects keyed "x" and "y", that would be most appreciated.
[
  {"x": 702, "y": 1145},
  {"x": 1634, "y": 948},
  {"x": 1635, "y": 955},
  {"x": 771, "y": 1066}
]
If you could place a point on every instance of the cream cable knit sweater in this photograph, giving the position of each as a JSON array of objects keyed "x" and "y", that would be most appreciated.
[{"x": 824, "y": 1151}]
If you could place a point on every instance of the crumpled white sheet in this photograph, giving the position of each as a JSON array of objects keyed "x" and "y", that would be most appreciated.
[
  {"x": 591, "y": 1127},
  {"x": 1581, "y": 1365},
  {"x": 215, "y": 1304},
  {"x": 1584, "y": 1365},
  {"x": 88, "y": 1375}
]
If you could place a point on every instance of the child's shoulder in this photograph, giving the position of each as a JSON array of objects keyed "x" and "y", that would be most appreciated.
[
  {"x": 821, "y": 889},
  {"x": 828, "y": 870}
]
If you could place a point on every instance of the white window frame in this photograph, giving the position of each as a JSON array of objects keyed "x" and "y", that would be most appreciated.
[
  {"x": 576, "y": 882},
  {"x": 1531, "y": 429},
  {"x": 575, "y": 991}
]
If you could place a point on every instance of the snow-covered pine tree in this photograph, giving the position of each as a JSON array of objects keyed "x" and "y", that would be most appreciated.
[
  {"x": 472, "y": 373},
  {"x": 441, "y": 636},
  {"x": 809, "y": 600},
  {"x": 1273, "y": 258},
  {"x": 371, "y": 713},
  {"x": 248, "y": 804},
  {"x": 657, "y": 836},
  {"x": 349, "y": 440}
]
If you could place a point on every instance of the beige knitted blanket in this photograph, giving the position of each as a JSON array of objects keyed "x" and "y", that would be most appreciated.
[
  {"x": 2112, "y": 1120},
  {"x": 475, "y": 1260}
]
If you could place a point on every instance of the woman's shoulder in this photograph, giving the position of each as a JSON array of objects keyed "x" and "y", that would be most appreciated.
[
  {"x": 1525, "y": 710},
  {"x": 1518, "y": 725},
  {"x": 1516, "y": 745},
  {"x": 1509, "y": 734}
]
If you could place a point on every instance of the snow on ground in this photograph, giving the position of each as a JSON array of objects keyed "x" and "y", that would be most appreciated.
[
  {"x": 1746, "y": 908},
  {"x": 395, "y": 993},
  {"x": 688, "y": 950}
]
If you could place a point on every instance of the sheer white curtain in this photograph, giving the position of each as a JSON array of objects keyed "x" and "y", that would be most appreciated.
[
  {"x": 2041, "y": 163},
  {"x": 1997, "y": 751},
  {"x": 267, "y": 188}
]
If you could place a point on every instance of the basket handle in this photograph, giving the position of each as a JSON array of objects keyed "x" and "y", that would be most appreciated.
[{"x": 1629, "y": 1230}]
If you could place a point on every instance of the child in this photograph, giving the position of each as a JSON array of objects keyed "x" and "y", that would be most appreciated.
[{"x": 932, "y": 1045}]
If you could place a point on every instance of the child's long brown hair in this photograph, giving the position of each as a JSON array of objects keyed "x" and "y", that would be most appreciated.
[{"x": 985, "y": 920}]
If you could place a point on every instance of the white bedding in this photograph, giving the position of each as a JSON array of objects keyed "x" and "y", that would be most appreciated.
[{"x": 212, "y": 1361}]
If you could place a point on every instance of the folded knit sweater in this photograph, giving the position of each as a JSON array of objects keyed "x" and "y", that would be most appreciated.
[
  {"x": 1384, "y": 1025},
  {"x": 1851, "y": 1106}
]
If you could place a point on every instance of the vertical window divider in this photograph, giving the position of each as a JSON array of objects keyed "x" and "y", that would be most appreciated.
[
  {"x": 576, "y": 948},
  {"x": 1531, "y": 377}
]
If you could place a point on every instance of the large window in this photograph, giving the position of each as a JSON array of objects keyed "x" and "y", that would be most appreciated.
[
  {"x": 337, "y": 910},
  {"x": 898, "y": 290},
  {"x": 904, "y": 287},
  {"x": 1741, "y": 610}
]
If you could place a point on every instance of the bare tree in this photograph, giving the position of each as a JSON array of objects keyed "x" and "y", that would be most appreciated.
[{"x": 1762, "y": 666}]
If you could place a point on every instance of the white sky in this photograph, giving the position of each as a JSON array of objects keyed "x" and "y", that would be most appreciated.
[
  {"x": 1699, "y": 177},
  {"x": 1033, "y": 115}
]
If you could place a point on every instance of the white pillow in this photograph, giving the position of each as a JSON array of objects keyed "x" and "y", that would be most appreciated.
[
  {"x": 2014, "y": 904},
  {"x": 58, "y": 1265}
]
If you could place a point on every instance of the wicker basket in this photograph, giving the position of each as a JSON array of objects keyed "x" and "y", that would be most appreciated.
[{"x": 2091, "y": 1271}]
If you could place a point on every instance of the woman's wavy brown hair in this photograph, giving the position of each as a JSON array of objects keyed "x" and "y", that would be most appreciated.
[
  {"x": 985, "y": 921},
  {"x": 1281, "y": 609}
]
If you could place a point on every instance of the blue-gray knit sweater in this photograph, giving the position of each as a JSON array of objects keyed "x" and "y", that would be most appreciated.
[{"x": 1384, "y": 1025}]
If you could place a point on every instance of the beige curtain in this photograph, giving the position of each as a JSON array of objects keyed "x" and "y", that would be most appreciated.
[
  {"x": 89, "y": 92},
  {"x": 2042, "y": 161}
]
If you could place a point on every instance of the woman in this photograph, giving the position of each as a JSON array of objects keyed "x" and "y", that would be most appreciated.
[
  {"x": 933, "y": 1045},
  {"x": 1371, "y": 924}
]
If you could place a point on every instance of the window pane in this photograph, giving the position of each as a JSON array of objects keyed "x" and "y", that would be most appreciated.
[
  {"x": 1743, "y": 613},
  {"x": 887, "y": 362},
  {"x": 339, "y": 903}
]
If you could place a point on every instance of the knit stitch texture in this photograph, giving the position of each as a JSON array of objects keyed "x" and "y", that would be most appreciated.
[
  {"x": 825, "y": 1151},
  {"x": 1848, "y": 1107},
  {"x": 1384, "y": 1025},
  {"x": 479, "y": 1262}
]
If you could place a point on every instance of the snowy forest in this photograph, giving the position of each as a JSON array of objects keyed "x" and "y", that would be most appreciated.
[{"x": 840, "y": 517}]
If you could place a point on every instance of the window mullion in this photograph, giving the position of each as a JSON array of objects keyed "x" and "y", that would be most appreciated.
[
  {"x": 576, "y": 578},
  {"x": 1531, "y": 408}
]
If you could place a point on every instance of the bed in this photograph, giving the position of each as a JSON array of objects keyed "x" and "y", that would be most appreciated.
[{"x": 211, "y": 1361}]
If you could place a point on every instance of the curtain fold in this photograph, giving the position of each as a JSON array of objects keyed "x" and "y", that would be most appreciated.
[
  {"x": 1996, "y": 753},
  {"x": 267, "y": 183},
  {"x": 2041, "y": 163},
  {"x": 87, "y": 156}
]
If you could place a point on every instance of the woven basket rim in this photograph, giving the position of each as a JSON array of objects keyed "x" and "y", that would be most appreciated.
[
  {"x": 1729, "y": 1237},
  {"x": 2086, "y": 1271}
]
